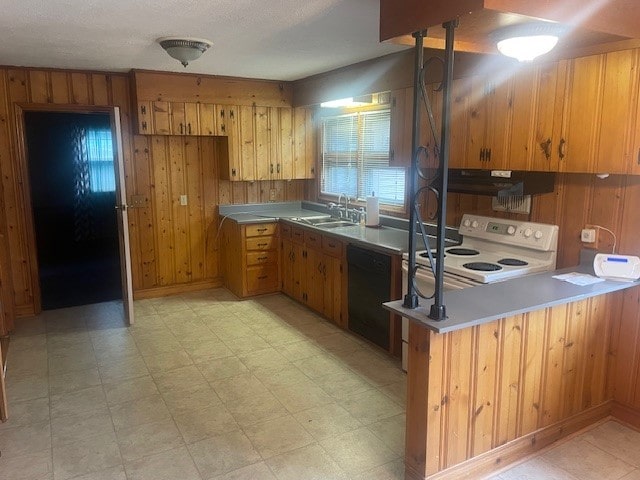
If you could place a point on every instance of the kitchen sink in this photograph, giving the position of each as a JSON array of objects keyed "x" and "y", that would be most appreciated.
[
  {"x": 336, "y": 224},
  {"x": 326, "y": 222}
]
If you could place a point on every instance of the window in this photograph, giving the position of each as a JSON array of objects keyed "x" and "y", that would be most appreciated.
[
  {"x": 100, "y": 159},
  {"x": 355, "y": 158}
]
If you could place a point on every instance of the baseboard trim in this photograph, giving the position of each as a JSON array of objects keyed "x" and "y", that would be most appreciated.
[
  {"x": 25, "y": 311},
  {"x": 626, "y": 414},
  {"x": 490, "y": 462},
  {"x": 175, "y": 289}
]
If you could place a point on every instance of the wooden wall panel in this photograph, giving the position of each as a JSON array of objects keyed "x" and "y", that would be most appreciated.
[{"x": 171, "y": 245}]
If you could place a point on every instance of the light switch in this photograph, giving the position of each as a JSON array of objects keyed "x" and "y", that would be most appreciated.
[{"x": 183, "y": 200}]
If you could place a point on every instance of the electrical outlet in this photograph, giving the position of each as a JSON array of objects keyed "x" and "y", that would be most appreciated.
[
  {"x": 138, "y": 201},
  {"x": 183, "y": 200},
  {"x": 272, "y": 195},
  {"x": 588, "y": 235}
]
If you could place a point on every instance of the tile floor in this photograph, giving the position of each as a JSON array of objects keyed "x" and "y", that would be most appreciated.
[{"x": 206, "y": 387}]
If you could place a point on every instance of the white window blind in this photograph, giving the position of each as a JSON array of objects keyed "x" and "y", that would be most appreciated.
[
  {"x": 355, "y": 157},
  {"x": 102, "y": 177}
]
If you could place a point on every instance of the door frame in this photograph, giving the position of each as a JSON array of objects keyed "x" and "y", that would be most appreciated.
[{"x": 23, "y": 165}]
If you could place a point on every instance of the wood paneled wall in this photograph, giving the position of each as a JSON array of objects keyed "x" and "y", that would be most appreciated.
[
  {"x": 173, "y": 246},
  {"x": 536, "y": 377}
]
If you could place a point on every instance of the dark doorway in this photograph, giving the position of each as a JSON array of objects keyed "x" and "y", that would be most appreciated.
[{"x": 72, "y": 178}]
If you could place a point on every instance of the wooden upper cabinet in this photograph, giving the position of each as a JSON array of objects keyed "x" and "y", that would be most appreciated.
[
  {"x": 161, "y": 112},
  {"x": 227, "y": 125},
  {"x": 304, "y": 155},
  {"x": 207, "y": 119},
  {"x": 144, "y": 116},
  {"x": 284, "y": 162},
  {"x": 264, "y": 168},
  {"x": 184, "y": 119},
  {"x": 246, "y": 140}
]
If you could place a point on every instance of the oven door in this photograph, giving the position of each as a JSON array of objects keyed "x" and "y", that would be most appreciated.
[{"x": 425, "y": 282}]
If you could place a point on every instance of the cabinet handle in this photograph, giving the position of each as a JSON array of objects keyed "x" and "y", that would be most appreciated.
[
  {"x": 222, "y": 128},
  {"x": 144, "y": 125},
  {"x": 262, "y": 277},
  {"x": 189, "y": 128},
  {"x": 562, "y": 148},
  {"x": 313, "y": 170},
  {"x": 233, "y": 172},
  {"x": 320, "y": 267},
  {"x": 332, "y": 245},
  {"x": 230, "y": 113},
  {"x": 143, "y": 109},
  {"x": 278, "y": 168},
  {"x": 262, "y": 244},
  {"x": 639, "y": 156},
  {"x": 262, "y": 258},
  {"x": 261, "y": 229},
  {"x": 222, "y": 113},
  {"x": 489, "y": 155},
  {"x": 546, "y": 148},
  {"x": 272, "y": 169},
  {"x": 181, "y": 129},
  {"x": 482, "y": 154}
]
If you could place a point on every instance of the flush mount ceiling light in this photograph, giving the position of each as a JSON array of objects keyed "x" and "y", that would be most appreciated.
[
  {"x": 527, "y": 41},
  {"x": 186, "y": 49}
]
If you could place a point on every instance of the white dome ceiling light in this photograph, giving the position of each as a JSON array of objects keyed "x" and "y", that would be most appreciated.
[
  {"x": 527, "y": 41},
  {"x": 185, "y": 49}
]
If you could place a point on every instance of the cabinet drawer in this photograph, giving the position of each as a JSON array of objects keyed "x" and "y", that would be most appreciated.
[
  {"x": 260, "y": 229},
  {"x": 285, "y": 230},
  {"x": 261, "y": 243},
  {"x": 297, "y": 234},
  {"x": 260, "y": 258},
  {"x": 262, "y": 279},
  {"x": 332, "y": 246},
  {"x": 312, "y": 239}
]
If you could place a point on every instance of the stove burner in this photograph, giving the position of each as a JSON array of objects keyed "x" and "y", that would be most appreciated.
[
  {"x": 482, "y": 266},
  {"x": 433, "y": 254},
  {"x": 512, "y": 262},
  {"x": 462, "y": 251}
]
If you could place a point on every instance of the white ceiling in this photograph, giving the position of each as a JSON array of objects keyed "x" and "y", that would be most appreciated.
[{"x": 271, "y": 39}]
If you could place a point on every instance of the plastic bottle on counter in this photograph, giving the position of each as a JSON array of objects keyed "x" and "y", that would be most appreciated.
[{"x": 373, "y": 211}]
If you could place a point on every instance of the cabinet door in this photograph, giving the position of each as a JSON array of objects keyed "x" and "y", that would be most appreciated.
[
  {"x": 477, "y": 121},
  {"x": 620, "y": 85},
  {"x": 262, "y": 154},
  {"x": 207, "y": 119},
  {"x": 315, "y": 279},
  {"x": 178, "y": 119},
  {"x": 145, "y": 127},
  {"x": 304, "y": 144},
  {"x": 298, "y": 272},
  {"x": 583, "y": 93},
  {"x": 192, "y": 123},
  {"x": 332, "y": 291},
  {"x": 161, "y": 118},
  {"x": 287, "y": 260},
  {"x": 460, "y": 91},
  {"x": 247, "y": 143},
  {"x": 227, "y": 126},
  {"x": 285, "y": 160},
  {"x": 499, "y": 95}
]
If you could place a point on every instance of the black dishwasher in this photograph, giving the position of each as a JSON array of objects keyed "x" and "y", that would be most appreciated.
[{"x": 369, "y": 287}]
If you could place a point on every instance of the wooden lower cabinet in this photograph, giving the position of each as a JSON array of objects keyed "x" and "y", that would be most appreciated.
[
  {"x": 313, "y": 271},
  {"x": 250, "y": 258}
]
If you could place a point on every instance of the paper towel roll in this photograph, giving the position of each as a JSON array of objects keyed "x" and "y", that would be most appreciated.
[{"x": 373, "y": 212}]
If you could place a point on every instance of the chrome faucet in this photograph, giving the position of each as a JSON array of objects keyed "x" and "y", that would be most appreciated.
[{"x": 346, "y": 205}]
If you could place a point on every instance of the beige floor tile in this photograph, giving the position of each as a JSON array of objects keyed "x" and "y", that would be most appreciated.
[
  {"x": 34, "y": 466},
  {"x": 74, "y": 427},
  {"x": 138, "y": 412},
  {"x": 635, "y": 475},
  {"x": 28, "y": 362},
  {"x": 390, "y": 471},
  {"x": 26, "y": 439},
  {"x": 302, "y": 396},
  {"x": 70, "y": 382},
  {"x": 223, "y": 453},
  {"x": 231, "y": 329},
  {"x": 171, "y": 465},
  {"x": 148, "y": 439},
  {"x": 123, "y": 369},
  {"x": 26, "y": 387},
  {"x": 370, "y": 406},
  {"x": 277, "y": 337},
  {"x": 79, "y": 401},
  {"x": 338, "y": 342},
  {"x": 327, "y": 421},
  {"x": 299, "y": 350},
  {"x": 27, "y": 412},
  {"x": 619, "y": 441},
  {"x": 116, "y": 353},
  {"x": 396, "y": 391},
  {"x": 129, "y": 390},
  {"x": 201, "y": 333},
  {"x": 205, "y": 350},
  {"x": 180, "y": 378},
  {"x": 257, "y": 471},
  {"x": 320, "y": 366},
  {"x": 72, "y": 360},
  {"x": 358, "y": 451},
  {"x": 244, "y": 345},
  {"x": 281, "y": 376},
  {"x": 31, "y": 343},
  {"x": 263, "y": 359},
  {"x": 191, "y": 399},
  {"x": 221, "y": 368},
  {"x": 111, "y": 473},
  {"x": 391, "y": 431},
  {"x": 88, "y": 455},
  {"x": 155, "y": 346},
  {"x": 167, "y": 361},
  {"x": 278, "y": 436},
  {"x": 238, "y": 387},
  {"x": 256, "y": 408},
  {"x": 581, "y": 459},
  {"x": 534, "y": 469},
  {"x": 341, "y": 385},
  {"x": 59, "y": 342},
  {"x": 196, "y": 425},
  {"x": 309, "y": 463}
]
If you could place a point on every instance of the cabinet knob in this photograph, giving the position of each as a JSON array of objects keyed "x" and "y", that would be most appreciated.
[
  {"x": 181, "y": 129},
  {"x": 233, "y": 172},
  {"x": 143, "y": 109},
  {"x": 482, "y": 154},
  {"x": 189, "y": 128},
  {"x": 144, "y": 125},
  {"x": 278, "y": 166},
  {"x": 272, "y": 169},
  {"x": 562, "y": 148}
]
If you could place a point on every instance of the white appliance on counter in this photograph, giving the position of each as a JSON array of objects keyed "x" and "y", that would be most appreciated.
[{"x": 492, "y": 250}]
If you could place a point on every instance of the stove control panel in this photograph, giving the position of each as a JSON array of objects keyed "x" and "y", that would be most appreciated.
[{"x": 537, "y": 236}]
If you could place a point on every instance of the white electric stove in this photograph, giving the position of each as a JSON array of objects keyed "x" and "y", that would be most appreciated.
[{"x": 492, "y": 250}]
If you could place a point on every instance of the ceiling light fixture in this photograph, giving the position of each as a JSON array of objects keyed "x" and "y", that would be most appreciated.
[
  {"x": 186, "y": 49},
  {"x": 527, "y": 41},
  {"x": 348, "y": 102}
]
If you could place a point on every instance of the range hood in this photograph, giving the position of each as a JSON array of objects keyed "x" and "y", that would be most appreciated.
[{"x": 500, "y": 183}]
